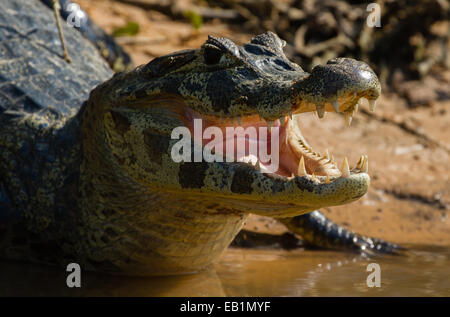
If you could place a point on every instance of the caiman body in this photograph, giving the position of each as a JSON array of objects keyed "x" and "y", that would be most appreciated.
[{"x": 91, "y": 180}]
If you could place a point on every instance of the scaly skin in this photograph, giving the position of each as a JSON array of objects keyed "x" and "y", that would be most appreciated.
[
  {"x": 107, "y": 194},
  {"x": 114, "y": 54}
]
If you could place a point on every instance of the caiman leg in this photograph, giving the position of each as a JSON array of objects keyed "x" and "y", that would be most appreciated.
[
  {"x": 56, "y": 8},
  {"x": 317, "y": 230}
]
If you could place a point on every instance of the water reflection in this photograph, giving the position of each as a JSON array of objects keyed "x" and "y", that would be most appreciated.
[
  {"x": 420, "y": 272},
  {"x": 18, "y": 279}
]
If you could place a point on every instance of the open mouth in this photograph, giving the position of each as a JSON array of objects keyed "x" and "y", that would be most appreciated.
[{"x": 295, "y": 157}]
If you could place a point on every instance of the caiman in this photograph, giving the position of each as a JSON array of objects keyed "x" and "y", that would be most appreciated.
[{"x": 87, "y": 176}]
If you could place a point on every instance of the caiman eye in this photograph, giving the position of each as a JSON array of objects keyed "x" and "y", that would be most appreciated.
[{"x": 212, "y": 54}]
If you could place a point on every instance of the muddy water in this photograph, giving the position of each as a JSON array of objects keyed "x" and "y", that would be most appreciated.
[{"x": 420, "y": 272}]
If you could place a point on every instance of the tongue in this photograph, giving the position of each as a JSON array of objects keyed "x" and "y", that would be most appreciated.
[{"x": 252, "y": 144}]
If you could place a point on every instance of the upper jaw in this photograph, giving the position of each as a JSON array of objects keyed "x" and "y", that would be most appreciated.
[
  {"x": 337, "y": 87},
  {"x": 334, "y": 87}
]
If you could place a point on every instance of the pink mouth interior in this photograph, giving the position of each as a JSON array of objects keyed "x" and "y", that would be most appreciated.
[{"x": 288, "y": 160}]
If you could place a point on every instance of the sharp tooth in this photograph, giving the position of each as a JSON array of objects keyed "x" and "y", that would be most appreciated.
[
  {"x": 345, "y": 168},
  {"x": 355, "y": 110},
  {"x": 327, "y": 154},
  {"x": 365, "y": 167},
  {"x": 320, "y": 111},
  {"x": 348, "y": 119},
  {"x": 282, "y": 121},
  {"x": 372, "y": 103},
  {"x": 239, "y": 120},
  {"x": 363, "y": 161},
  {"x": 332, "y": 159},
  {"x": 257, "y": 165},
  {"x": 360, "y": 162},
  {"x": 301, "y": 170},
  {"x": 290, "y": 114},
  {"x": 335, "y": 105},
  {"x": 327, "y": 180}
]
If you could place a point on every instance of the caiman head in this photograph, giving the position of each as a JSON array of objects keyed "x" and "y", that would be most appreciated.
[{"x": 133, "y": 123}]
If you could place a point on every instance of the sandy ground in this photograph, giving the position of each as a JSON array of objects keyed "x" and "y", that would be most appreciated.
[{"x": 408, "y": 148}]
